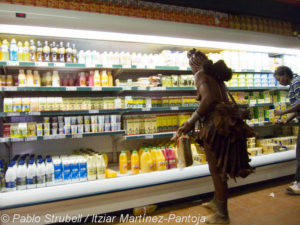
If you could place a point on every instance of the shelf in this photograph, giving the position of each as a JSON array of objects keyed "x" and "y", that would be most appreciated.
[
  {"x": 60, "y": 89},
  {"x": 119, "y": 89},
  {"x": 74, "y": 190},
  {"x": 83, "y": 66},
  {"x": 150, "y": 136},
  {"x": 252, "y": 71},
  {"x": 60, "y": 136}
]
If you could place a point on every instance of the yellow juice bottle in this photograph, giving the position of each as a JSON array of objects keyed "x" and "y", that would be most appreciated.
[
  {"x": 123, "y": 162},
  {"x": 0, "y": 51},
  {"x": 146, "y": 162},
  {"x": 153, "y": 156},
  {"x": 105, "y": 158},
  {"x": 21, "y": 79},
  {"x": 26, "y": 52},
  {"x": 110, "y": 79},
  {"x": 29, "y": 79},
  {"x": 160, "y": 160},
  {"x": 128, "y": 159},
  {"x": 135, "y": 163},
  {"x": 97, "y": 80},
  {"x": 104, "y": 79}
]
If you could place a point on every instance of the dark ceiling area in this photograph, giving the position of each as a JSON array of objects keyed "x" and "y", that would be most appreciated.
[{"x": 288, "y": 10}]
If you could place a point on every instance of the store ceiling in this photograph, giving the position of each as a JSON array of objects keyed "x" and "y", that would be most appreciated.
[{"x": 277, "y": 9}]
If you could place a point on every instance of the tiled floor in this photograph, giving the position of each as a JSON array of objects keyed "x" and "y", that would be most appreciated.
[{"x": 262, "y": 204}]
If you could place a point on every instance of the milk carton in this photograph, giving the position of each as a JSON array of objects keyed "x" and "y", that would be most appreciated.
[
  {"x": 58, "y": 172},
  {"x": 82, "y": 169},
  {"x": 74, "y": 169}
]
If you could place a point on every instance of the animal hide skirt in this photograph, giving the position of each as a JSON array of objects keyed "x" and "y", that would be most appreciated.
[{"x": 225, "y": 134}]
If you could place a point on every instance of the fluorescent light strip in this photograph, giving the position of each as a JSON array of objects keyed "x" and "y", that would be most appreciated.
[{"x": 111, "y": 36}]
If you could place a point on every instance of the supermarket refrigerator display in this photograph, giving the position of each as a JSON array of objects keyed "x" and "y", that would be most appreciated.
[{"x": 124, "y": 87}]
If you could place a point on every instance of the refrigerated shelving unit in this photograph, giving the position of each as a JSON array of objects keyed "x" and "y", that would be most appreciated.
[{"x": 108, "y": 32}]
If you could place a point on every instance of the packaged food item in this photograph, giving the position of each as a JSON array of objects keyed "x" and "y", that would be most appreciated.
[
  {"x": 17, "y": 104},
  {"x": 31, "y": 131},
  {"x": 6, "y": 130},
  {"x": 8, "y": 105}
]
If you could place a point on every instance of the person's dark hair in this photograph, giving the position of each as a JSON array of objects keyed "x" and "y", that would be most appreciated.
[
  {"x": 218, "y": 70},
  {"x": 284, "y": 70}
]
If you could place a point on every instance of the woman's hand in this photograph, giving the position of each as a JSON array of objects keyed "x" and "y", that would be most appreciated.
[{"x": 184, "y": 129}]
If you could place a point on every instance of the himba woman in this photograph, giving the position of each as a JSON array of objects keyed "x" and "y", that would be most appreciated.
[{"x": 223, "y": 132}]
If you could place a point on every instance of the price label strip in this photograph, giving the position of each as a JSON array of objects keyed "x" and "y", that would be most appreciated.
[
  {"x": 71, "y": 88},
  {"x": 59, "y": 64},
  {"x": 10, "y": 88},
  {"x": 41, "y": 64},
  {"x": 13, "y": 63},
  {"x": 34, "y": 113},
  {"x": 31, "y": 139},
  {"x": 77, "y": 136},
  {"x": 96, "y": 88},
  {"x": 149, "y": 136}
]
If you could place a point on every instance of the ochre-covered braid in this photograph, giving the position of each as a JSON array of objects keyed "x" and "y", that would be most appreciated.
[{"x": 196, "y": 58}]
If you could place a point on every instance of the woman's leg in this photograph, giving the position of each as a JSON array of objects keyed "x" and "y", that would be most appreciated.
[
  {"x": 220, "y": 184},
  {"x": 219, "y": 202}
]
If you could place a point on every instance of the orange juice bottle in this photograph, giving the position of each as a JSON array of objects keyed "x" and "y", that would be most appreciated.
[
  {"x": 146, "y": 162},
  {"x": 160, "y": 160},
  {"x": 110, "y": 79},
  {"x": 0, "y": 51},
  {"x": 153, "y": 156},
  {"x": 135, "y": 163},
  {"x": 36, "y": 79},
  {"x": 123, "y": 162},
  {"x": 97, "y": 80},
  {"x": 104, "y": 79},
  {"x": 22, "y": 78},
  {"x": 128, "y": 159},
  {"x": 105, "y": 158},
  {"x": 29, "y": 79}
]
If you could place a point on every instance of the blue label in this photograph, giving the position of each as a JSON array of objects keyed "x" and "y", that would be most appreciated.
[
  {"x": 57, "y": 172},
  {"x": 10, "y": 184},
  {"x": 67, "y": 172},
  {"x": 75, "y": 171},
  {"x": 83, "y": 170}
]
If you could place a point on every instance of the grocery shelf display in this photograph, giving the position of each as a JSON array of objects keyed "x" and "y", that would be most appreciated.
[{"x": 110, "y": 92}]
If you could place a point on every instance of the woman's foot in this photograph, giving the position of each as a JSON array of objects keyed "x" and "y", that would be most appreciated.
[
  {"x": 210, "y": 205},
  {"x": 215, "y": 218}
]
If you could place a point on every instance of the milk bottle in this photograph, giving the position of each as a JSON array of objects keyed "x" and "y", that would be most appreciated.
[
  {"x": 21, "y": 175},
  {"x": 41, "y": 173},
  {"x": 31, "y": 174},
  {"x": 57, "y": 170},
  {"x": 100, "y": 167},
  {"x": 49, "y": 172},
  {"x": 66, "y": 170},
  {"x": 91, "y": 168},
  {"x": 10, "y": 177},
  {"x": 75, "y": 169},
  {"x": 82, "y": 169}
]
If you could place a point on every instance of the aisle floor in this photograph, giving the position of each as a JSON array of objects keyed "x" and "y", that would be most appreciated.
[{"x": 262, "y": 204}]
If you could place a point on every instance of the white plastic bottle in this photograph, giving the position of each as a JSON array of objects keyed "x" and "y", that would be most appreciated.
[
  {"x": 49, "y": 172},
  {"x": 55, "y": 79},
  {"x": 66, "y": 170},
  {"x": 41, "y": 173},
  {"x": 74, "y": 169},
  {"x": 31, "y": 174},
  {"x": 11, "y": 177},
  {"x": 21, "y": 175},
  {"x": 100, "y": 167},
  {"x": 82, "y": 169},
  {"x": 57, "y": 170}
]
